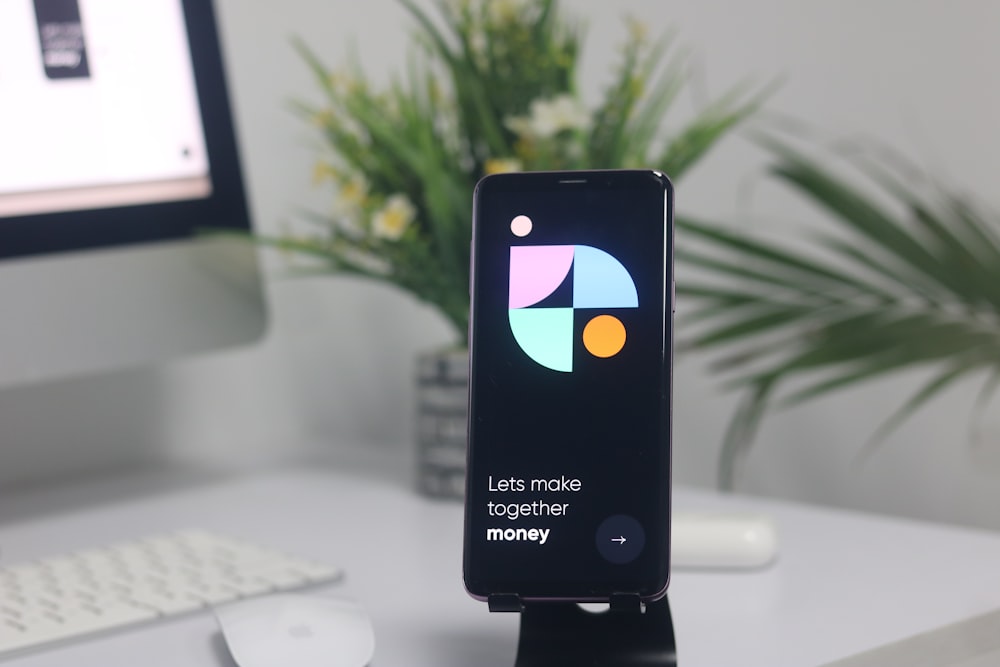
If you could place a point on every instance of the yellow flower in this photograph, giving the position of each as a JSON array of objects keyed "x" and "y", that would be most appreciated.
[
  {"x": 637, "y": 30},
  {"x": 354, "y": 190},
  {"x": 323, "y": 171},
  {"x": 392, "y": 220},
  {"x": 505, "y": 11},
  {"x": 636, "y": 86},
  {"x": 526, "y": 149},
  {"x": 322, "y": 118},
  {"x": 343, "y": 82},
  {"x": 502, "y": 165},
  {"x": 457, "y": 7},
  {"x": 352, "y": 194}
]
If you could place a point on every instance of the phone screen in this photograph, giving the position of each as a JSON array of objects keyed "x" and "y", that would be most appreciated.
[
  {"x": 568, "y": 491},
  {"x": 61, "y": 36}
]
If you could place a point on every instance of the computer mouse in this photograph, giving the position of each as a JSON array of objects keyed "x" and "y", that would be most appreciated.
[{"x": 296, "y": 629}]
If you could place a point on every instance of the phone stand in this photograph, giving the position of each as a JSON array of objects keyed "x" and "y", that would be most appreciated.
[{"x": 561, "y": 634}]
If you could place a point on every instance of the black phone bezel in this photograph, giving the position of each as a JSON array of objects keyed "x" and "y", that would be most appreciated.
[{"x": 599, "y": 180}]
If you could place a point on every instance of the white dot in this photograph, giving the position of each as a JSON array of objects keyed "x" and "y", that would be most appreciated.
[{"x": 521, "y": 225}]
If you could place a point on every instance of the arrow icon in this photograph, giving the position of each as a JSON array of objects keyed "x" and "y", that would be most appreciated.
[{"x": 619, "y": 540}]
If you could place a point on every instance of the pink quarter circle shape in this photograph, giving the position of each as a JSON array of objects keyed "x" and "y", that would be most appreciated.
[{"x": 536, "y": 271}]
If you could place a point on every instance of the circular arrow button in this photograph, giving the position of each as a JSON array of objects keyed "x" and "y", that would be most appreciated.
[{"x": 620, "y": 539}]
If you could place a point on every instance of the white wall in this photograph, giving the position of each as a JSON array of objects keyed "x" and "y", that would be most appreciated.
[{"x": 337, "y": 365}]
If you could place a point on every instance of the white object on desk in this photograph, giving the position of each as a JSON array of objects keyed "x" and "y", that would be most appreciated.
[
  {"x": 722, "y": 540},
  {"x": 297, "y": 630},
  {"x": 72, "y": 595}
]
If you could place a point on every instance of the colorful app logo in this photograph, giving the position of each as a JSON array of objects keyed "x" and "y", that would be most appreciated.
[{"x": 549, "y": 283}]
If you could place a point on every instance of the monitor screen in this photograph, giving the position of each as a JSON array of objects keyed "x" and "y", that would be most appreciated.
[
  {"x": 117, "y": 147},
  {"x": 114, "y": 125},
  {"x": 97, "y": 118}
]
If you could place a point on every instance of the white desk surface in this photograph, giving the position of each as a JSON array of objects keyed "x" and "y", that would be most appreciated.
[{"x": 844, "y": 582}]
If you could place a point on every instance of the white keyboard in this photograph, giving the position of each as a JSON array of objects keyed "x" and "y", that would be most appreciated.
[{"x": 97, "y": 590}]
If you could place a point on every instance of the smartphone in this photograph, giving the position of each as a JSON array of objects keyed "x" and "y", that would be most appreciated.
[
  {"x": 61, "y": 38},
  {"x": 570, "y": 343}
]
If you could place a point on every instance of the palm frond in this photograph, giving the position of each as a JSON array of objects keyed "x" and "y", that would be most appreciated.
[{"x": 910, "y": 278}]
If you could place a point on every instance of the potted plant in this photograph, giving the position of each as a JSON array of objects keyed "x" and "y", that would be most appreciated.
[
  {"x": 494, "y": 89},
  {"x": 907, "y": 277}
]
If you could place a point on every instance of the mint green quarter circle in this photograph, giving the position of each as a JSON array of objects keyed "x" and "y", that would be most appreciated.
[{"x": 545, "y": 335}]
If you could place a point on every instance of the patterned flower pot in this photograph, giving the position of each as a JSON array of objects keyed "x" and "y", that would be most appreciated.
[{"x": 442, "y": 422}]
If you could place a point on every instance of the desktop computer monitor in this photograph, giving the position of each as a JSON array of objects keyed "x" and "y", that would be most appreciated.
[{"x": 116, "y": 149}]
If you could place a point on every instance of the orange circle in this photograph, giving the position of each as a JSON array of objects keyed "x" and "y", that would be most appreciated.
[{"x": 604, "y": 336}]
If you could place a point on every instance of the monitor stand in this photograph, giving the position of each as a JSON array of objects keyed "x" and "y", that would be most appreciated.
[{"x": 629, "y": 634}]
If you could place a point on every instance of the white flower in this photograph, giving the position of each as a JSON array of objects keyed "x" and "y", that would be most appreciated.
[
  {"x": 353, "y": 128},
  {"x": 391, "y": 221},
  {"x": 550, "y": 117},
  {"x": 519, "y": 125}
]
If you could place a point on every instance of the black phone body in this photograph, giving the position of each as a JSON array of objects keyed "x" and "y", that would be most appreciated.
[{"x": 568, "y": 483}]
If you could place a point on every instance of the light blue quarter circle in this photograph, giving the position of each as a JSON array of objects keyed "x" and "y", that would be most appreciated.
[
  {"x": 600, "y": 280},
  {"x": 545, "y": 335}
]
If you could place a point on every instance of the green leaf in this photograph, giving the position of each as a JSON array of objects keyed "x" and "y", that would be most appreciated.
[
  {"x": 982, "y": 232},
  {"x": 754, "y": 353},
  {"x": 873, "y": 368},
  {"x": 740, "y": 432},
  {"x": 887, "y": 268},
  {"x": 763, "y": 320},
  {"x": 986, "y": 393},
  {"x": 924, "y": 394},
  {"x": 780, "y": 259},
  {"x": 479, "y": 116},
  {"x": 319, "y": 71},
  {"x": 853, "y": 209},
  {"x": 776, "y": 282},
  {"x": 708, "y": 127},
  {"x": 971, "y": 250}
]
